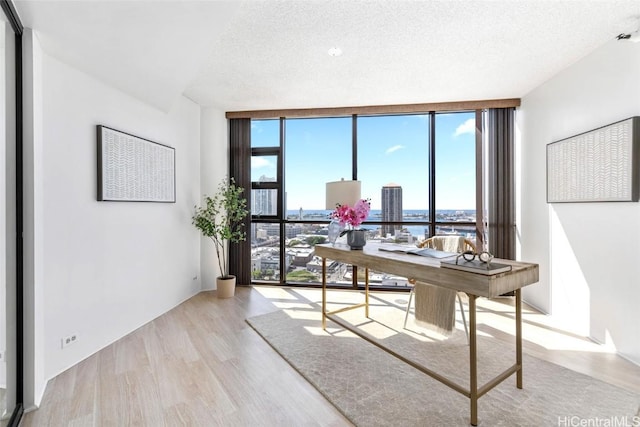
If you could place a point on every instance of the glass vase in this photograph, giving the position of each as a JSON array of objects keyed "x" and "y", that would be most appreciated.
[{"x": 334, "y": 229}]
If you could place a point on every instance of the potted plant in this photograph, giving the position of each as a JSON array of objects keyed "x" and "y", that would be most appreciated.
[
  {"x": 221, "y": 218},
  {"x": 351, "y": 218}
]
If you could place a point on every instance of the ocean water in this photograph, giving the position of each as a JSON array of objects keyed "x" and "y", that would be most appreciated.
[
  {"x": 376, "y": 215},
  {"x": 416, "y": 215}
]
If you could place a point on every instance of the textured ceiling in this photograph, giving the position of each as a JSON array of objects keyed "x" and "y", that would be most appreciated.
[{"x": 248, "y": 55}]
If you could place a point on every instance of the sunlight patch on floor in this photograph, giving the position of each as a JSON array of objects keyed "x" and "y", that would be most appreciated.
[
  {"x": 285, "y": 305},
  {"x": 273, "y": 292},
  {"x": 389, "y": 307},
  {"x": 303, "y": 314},
  {"x": 536, "y": 327},
  {"x": 559, "y": 340},
  {"x": 314, "y": 330},
  {"x": 376, "y": 330}
]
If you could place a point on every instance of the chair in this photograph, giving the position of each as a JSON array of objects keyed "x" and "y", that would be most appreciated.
[{"x": 457, "y": 244}]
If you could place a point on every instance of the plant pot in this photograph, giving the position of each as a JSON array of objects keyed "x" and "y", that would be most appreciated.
[
  {"x": 356, "y": 239},
  {"x": 226, "y": 287}
]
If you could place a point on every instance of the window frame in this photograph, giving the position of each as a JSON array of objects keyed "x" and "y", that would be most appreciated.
[
  {"x": 431, "y": 224},
  {"x": 16, "y": 412}
]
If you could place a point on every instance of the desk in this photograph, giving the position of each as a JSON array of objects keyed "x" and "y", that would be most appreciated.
[{"x": 428, "y": 270}]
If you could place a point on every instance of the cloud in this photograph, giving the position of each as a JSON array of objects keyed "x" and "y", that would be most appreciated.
[
  {"x": 394, "y": 148},
  {"x": 258, "y": 162},
  {"x": 468, "y": 126}
]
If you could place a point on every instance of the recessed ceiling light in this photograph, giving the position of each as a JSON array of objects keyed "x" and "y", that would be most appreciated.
[{"x": 335, "y": 51}]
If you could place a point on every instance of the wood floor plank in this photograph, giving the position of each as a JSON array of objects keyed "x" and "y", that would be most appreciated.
[
  {"x": 85, "y": 386},
  {"x": 201, "y": 364}
]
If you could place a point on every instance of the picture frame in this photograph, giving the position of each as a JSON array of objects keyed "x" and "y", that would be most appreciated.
[
  {"x": 600, "y": 165},
  {"x": 134, "y": 169}
]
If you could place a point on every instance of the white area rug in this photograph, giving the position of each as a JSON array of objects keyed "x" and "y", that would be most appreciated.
[{"x": 373, "y": 388}]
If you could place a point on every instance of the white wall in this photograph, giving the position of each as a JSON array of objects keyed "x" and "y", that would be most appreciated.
[
  {"x": 33, "y": 179},
  {"x": 588, "y": 252},
  {"x": 214, "y": 166},
  {"x": 107, "y": 267}
]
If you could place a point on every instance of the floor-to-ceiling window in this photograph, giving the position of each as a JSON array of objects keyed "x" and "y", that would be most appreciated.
[
  {"x": 455, "y": 174},
  {"x": 393, "y": 165},
  {"x": 417, "y": 170},
  {"x": 266, "y": 200}
]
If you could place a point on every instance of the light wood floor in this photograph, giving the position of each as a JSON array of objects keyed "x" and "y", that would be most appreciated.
[{"x": 201, "y": 364}]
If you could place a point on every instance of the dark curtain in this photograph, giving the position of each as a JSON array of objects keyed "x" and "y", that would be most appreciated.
[
  {"x": 480, "y": 222},
  {"x": 500, "y": 183},
  {"x": 240, "y": 171}
]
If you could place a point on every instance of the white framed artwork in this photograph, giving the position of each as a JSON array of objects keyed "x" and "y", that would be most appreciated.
[
  {"x": 600, "y": 165},
  {"x": 134, "y": 169}
]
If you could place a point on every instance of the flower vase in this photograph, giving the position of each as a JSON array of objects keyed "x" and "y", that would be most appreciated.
[{"x": 356, "y": 239}]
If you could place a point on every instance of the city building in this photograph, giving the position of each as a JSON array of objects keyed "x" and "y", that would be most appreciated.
[
  {"x": 391, "y": 197},
  {"x": 264, "y": 202}
]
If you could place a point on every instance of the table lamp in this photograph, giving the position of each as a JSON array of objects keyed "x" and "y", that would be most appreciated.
[{"x": 342, "y": 193}]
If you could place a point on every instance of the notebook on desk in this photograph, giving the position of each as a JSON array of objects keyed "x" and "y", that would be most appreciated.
[{"x": 428, "y": 252}]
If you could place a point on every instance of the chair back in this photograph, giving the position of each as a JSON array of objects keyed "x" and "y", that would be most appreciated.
[{"x": 448, "y": 244}]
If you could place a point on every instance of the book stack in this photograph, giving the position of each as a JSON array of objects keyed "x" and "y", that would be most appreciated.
[{"x": 476, "y": 266}]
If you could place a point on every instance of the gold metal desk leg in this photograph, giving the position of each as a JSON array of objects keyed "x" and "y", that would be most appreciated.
[
  {"x": 473, "y": 361},
  {"x": 324, "y": 293},
  {"x": 366, "y": 292},
  {"x": 519, "y": 338}
]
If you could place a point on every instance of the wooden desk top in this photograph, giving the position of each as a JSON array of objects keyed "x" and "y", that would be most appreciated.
[{"x": 426, "y": 269}]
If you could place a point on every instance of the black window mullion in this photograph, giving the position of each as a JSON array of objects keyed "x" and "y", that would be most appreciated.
[
  {"x": 354, "y": 176},
  {"x": 266, "y": 185},
  {"x": 432, "y": 173},
  {"x": 269, "y": 185},
  {"x": 354, "y": 147},
  {"x": 265, "y": 151},
  {"x": 17, "y": 411},
  {"x": 282, "y": 209}
]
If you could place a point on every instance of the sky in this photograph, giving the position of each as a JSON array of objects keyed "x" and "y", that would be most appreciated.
[{"x": 391, "y": 149}]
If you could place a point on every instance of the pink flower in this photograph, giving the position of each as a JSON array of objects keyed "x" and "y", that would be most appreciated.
[{"x": 353, "y": 216}]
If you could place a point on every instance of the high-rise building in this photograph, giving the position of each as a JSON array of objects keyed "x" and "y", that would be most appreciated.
[
  {"x": 391, "y": 207},
  {"x": 264, "y": 202}
]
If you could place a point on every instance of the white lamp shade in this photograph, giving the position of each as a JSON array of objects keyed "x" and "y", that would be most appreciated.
[{"x": 342, "y": 193}]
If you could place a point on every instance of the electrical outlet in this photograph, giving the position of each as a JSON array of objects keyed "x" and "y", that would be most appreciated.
[{"x": 68, "y": 340}]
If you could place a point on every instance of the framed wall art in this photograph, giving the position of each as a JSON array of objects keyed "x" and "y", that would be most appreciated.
[
  {"x": 600, "y": 165},
  {"x": 134, "y": 169}
]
